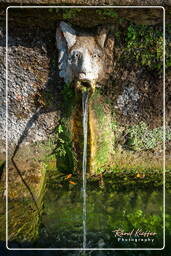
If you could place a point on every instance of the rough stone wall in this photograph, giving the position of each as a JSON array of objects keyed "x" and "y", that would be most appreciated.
[
  {"x": 136, "y": 95},
  {"x": 93, "y": 2},
  {"x": 2, "y": 89},
  {"x": 35, "y": 90},
  {"x": 30, "y": 87}
]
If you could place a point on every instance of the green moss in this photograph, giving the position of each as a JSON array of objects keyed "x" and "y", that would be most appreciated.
[
  {"x": 98, "y": 108},
  {"x": 107, "y": 12},
  {"x": 71, "y": 13},
  {"x": 67, "y": 13},
  {"x": 68, "y": 92},
  {"x": 104, "y": 135},
  {"x": 168, "y": 46},
  {"x": 24, "y": 218},
  {"x": 2, "y": 162}
]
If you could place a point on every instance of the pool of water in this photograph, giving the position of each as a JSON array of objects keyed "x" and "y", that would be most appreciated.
[
  {"x": 109, "y": 212},
  {"x": 114, "y": 210}
]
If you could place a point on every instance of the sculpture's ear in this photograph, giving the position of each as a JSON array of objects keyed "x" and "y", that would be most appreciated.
[
  {"x": 65, "y": 39},
  {"x": 65, "y": 33},
  {"x": 101, "y": 36}
]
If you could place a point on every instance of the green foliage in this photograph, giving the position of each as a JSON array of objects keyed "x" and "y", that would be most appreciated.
[
  {"x": 59, "y": 144},
  {"x": 63, "y": 146},
  {"x": 65, "y": 13},
  {"x": 114, "y": 125},
  {"x": 152, "y": 222},
  {"x": 60, "y": 148},
  {"x": 144, "y": 46},
  {"x": 67, "y": 91},
  {"x": 59, "y": 141},
  {"x": 139, "y": 137},
  {"x": 52, "y": 10},
  {"x": 69, "y": 13},
  {"x": 168, "y": 45},
  {"x": 117, "y": 36},
  {"x": 107, "y": 12}
]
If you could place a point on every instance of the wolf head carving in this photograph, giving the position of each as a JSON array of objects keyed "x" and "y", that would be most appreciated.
[{"x": 81, "y": 55}]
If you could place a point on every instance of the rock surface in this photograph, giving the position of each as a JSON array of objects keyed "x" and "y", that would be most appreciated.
[
  {"x": 28, "y": 81},
  {"x": 35, "y": 100},
  {"x": 94, "y": 2}
]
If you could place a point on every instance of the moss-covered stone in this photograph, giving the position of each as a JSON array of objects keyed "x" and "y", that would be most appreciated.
[{"x": 101, "y": 136}]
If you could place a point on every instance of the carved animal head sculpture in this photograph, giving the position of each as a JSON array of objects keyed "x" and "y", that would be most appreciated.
[{"x": 81, "y": 55}]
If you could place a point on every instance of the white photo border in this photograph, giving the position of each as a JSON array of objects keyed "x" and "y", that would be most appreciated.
[{"x": 6, "y": 124}]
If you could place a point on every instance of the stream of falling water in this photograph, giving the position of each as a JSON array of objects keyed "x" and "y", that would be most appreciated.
[{"x": 84, "y": 164}]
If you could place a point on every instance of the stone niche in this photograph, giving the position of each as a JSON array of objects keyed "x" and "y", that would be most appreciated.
[{"x": 131, "y": 93}]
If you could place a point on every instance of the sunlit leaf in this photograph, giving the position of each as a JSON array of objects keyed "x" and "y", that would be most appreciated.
[
  {"x": 72, "y": 182},
  {"x": 68, "y": 176}
]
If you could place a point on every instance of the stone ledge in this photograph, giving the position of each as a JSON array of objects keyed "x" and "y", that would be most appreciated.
[{"x": 93, "y": 2}]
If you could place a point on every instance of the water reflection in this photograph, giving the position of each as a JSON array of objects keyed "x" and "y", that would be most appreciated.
[
  {"x": 108, "y": 208},
  {"x": 112, "y": 215}
]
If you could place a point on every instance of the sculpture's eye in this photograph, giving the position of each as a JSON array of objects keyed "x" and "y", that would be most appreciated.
[
  {"x": 77, "y": 55},
  {"x": 73, "y": 56},
  {"x": 96, "y": 55}
]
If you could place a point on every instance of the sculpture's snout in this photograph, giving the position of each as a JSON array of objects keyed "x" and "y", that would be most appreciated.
[
  {"x": 82, "y": 75},
  {"x": 86, "y": 69},
  {"x": 86, "y": 83}
]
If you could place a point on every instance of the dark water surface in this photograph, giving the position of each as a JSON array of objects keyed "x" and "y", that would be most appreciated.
[
  {"x": 109, "y": 208},
  {"x": 107, "y": 211}
]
